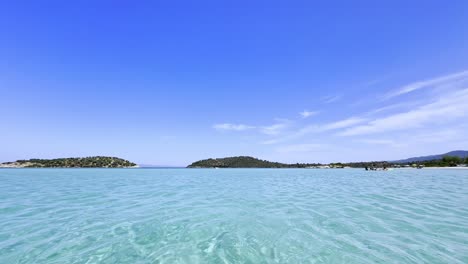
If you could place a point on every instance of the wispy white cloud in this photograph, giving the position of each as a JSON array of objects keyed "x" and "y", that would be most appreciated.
[
  {"x": 342, "y": 123},
  {"x": 275, "y": 140},
  {"x": 429, "y": 136},
  {"x": 442, "y": 80},
  {"x": 233, "y": 127},
  {"x": 317, "y": 129},
  {"x": 306, "y": 114},
  {"x": 331, "y": 126},
  {"x": 385, "y": 142},
  {"x": 330, "y": 98},
  {"x": 274, "y": 129},
  {"x": 300, "y": 148},
  {"x": 447, "y": 108},
  {"x": 396, "y": 106},
  {"x": 373, "y": 81},
  {"x": 398, "y": 126}
]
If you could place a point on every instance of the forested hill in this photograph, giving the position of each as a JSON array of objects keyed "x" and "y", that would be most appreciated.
[
  {"x": 445, "y": 160},
  {"x": 462, "y": 154},
  {"x": 87, "y": 162},
  {"x": 243, "y": 162}
]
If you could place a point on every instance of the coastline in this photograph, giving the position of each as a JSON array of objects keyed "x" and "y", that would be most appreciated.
[{"x": 449, "y": 168}]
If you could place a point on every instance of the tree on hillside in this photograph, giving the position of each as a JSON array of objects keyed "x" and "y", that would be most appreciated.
[{"x": 452, "y": 160}]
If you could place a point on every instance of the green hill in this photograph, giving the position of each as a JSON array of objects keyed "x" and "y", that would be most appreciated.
[
  {"x": 87, "y": 162},
  {"x": 250, "y": 162},
  {"x": 243, "y": 162},
  {"x": 462, "y": 154}
]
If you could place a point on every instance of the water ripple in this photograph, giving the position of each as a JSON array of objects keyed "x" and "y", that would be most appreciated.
[{"x": 233, "y": 216}]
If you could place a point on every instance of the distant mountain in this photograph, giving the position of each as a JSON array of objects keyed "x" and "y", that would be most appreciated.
[
  {"x": 456, "y": 153},
  {"x": 243, "y": 162},
  {"x": 87, "y": 162}
]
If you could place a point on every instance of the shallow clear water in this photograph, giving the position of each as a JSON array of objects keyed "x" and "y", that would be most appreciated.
[{"x": 233, "y": 216}]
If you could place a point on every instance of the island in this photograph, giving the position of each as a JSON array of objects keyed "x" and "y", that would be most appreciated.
[
  {"x": 244, "y": 162},
  {"x": 450, "y": 159},
  {"x": 86, "y": 162}
]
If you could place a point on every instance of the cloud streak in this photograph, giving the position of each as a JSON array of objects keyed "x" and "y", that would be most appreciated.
[
  {"x": 317, "y": 129},
  {"x": 447, "y": 108},
  {"x": 232, "y": 127},
  {"x": 306, "y": 114},
  {"x": 331, "y": 99},
  {"x": 383, "y": 142},
  {"x": 455, "y": 77},
  {"x": 341, "y": 124},
  {"x": 300, "y": 148},
  {"x": 432, "y": 121},
  {"x": 274, "y": 129}
]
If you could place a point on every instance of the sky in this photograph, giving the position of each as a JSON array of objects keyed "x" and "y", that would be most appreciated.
[{"x": 172, "y": 82}]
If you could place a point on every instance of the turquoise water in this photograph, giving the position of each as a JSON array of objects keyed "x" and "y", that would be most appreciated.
[{"x": 233, "y": 216}]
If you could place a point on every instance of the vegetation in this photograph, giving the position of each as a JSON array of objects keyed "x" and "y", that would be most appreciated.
[
  {"x": 375, "y": 164},
  {"x": 244, "y": 162},
  {"x": 250, "y": 162},
  {"x": 463, "y": 154},
  {"x": 446, "y": 161},
  {"x": 87, "y": 162}
]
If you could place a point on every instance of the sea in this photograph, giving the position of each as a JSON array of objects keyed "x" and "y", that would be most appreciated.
[{"x": 233, "y": 216}]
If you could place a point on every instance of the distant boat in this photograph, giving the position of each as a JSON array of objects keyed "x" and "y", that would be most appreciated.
[{"x": 376, "y": 169}]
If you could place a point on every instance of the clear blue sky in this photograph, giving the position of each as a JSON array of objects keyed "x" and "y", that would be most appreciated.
[{"x": 171, "y": 82}]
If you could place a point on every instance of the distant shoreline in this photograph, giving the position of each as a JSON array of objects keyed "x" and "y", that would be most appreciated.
[
  {"x": 162, "y": 168},
  {"x": 451, "y": 168}
]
